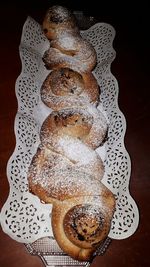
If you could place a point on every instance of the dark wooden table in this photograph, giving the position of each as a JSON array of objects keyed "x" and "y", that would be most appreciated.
[{"x": 131, "y": 68}]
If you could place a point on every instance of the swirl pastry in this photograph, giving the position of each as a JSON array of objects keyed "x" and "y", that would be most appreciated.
[
  {"x": 67, "y": 48},
  {"x": 67, "y": 88},
  {"x": 82, "y": 224},
  {"x": 71, "y": 59},
  {"x": 66, "y": 170},
  {"x": 58, "y": 19},
  {"x": 86, "y": 124},
  {"x": 82, "y": 207},
  {"x": 71, "y": 134}
]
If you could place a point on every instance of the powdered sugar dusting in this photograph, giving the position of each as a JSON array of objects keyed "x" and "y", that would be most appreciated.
[
  {"x": 76, "y": 150},
  {"x": 83, "y": 157},
  {"x": 89, "y": 115},
  {"x": 63, "y": 89},
  {"x": 70, "y": 50},
  {"x": 58, "y": 11},
  {"x": 54, "y": 58},
  {"x": 99, "y": 128},
  {"x": 67, "y": 164},
  {"x": 60, "y": 182}
]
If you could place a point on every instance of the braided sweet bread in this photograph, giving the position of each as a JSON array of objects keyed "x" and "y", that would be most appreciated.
[
  {"x": 67, "y": 88},
  {"x": 67, "y": 47},
  {"x": 71, "y": 59},
  {"x": 66, "y": 170},
  {"x": 82, "y": 206},
  {"x": 86, "y": 124}
]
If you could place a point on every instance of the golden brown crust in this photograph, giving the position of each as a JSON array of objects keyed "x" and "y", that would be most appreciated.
[
  {"x": 73, "y": 122},
  {"x": 83, "y": 223},
  {"x": 82, "y": 206},
  {"x": 67, "y": 48},
  {"x": 86, "y": 124},
  {"x": 54, "y": 173},
  {"x": 64, "y": 88},
  {"x": 82, "y": 60},
  {"x": 66, "y": 170},
  {"x": 56, "y": 20}
]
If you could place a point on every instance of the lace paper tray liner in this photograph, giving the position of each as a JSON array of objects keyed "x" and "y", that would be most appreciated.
[{"x": 23, "y": 217}]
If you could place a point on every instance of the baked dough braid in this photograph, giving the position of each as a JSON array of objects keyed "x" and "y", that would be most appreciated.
[
  {"x": 66, "y": 170},
  {"x": 67, "y": 47},
  {"x": 61, "y": 55},
  {"x": 86, "y": 124},
  {"x": 67, "y": 88},
  {"x": 82, "y": 206},
  {"x": 82, "y": 223},
  {"x": 71, "y": 59}
]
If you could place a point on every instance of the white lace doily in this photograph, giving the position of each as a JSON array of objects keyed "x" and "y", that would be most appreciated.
[{"x": 23, "y": 217}]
